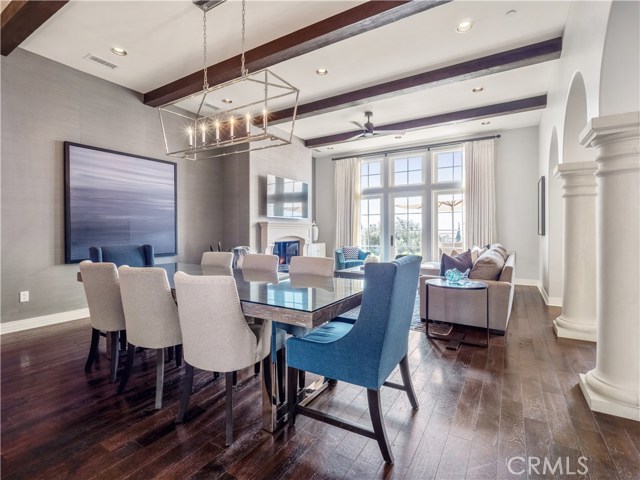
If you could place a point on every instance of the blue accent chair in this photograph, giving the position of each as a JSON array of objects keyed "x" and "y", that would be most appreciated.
[
  {"x": 131, "y": 255},
  {"x": 363, "y": 353},
  {"x": 342, "y": 263}
]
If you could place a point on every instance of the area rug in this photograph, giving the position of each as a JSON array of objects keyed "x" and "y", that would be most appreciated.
[{"x": 416, "y": 323}]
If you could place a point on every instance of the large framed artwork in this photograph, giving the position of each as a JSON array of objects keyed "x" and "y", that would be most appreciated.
[
  {"x": 116, "y": 198},
  {"x": 541, "y": 207}
]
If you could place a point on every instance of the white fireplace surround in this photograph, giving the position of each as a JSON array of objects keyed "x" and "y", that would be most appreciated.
[{"x": 271, "y": 232}]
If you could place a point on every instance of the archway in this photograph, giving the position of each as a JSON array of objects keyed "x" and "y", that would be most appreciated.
[
  {"x": 575, "y": 119},
  {"x": 553, "y": 270}
]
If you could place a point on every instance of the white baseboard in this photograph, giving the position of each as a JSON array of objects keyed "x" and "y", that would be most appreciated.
[
  {"x": 36, "y": 322},
  {"x": 549, "y": 301}
]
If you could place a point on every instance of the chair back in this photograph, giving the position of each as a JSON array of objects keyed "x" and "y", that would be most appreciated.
[
  {"x": 102, "y": 289},
  {"x": 303, "y": 265},
  {"x": 385, "y": 316},
  {"x": 150, "y": 312},
  {"x": 215, "y": 334},
  {"x": 132, "y": 255},
  {"x": 217, "y": 259},
  {"x": 259, "y": 261}
]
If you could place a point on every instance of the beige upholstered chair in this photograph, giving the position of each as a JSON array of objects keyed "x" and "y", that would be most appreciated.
[
  {"x": 215, "y": 334},
  {"x": 217, "y": 259},
  {"x": 102, "y": 288},
  {"x": 151, "y": 316},
  {"x": 322, "y": 266},
  {"x": 258, "y": 261}
]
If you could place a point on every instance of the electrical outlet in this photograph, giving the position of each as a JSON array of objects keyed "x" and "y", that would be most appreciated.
[{"x": 24, "y": 296}]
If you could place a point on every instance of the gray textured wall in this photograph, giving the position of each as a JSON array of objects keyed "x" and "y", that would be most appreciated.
[{"x": 43, "y": 104}]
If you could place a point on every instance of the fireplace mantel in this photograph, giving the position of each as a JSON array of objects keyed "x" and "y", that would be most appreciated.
[{"x": 271, "y": 232}]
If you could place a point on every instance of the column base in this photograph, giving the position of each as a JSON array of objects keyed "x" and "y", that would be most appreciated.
[
  {"x": 601, "y": 403},
  {"x": 567, "y": 329}
]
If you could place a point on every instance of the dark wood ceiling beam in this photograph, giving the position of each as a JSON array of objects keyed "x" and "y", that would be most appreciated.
[
  {"x": 357, "y": 20},
  {"x": 499, "y": 62},
  {"x": 506, "y": 108},
  {"x": 21, "y": 18}
]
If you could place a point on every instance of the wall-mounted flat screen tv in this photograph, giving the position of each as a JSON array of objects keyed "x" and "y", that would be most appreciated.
[
  {"x": 114, "y": 198},
  {"x": 287, "y": 198}
]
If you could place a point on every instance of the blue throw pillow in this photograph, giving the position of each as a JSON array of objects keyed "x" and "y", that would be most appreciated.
[{"x": 462, "y": 262}]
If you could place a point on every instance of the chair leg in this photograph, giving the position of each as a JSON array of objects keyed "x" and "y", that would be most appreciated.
[
  {"x": 114, "y": 356},
  {"x": 408, "y": 385},
  {"x": 131, "y": 351},
  {"x": 179, "y": 355},
  {"x": 159, "y": 377},
  {"x": 282, "y": 361},
  {"x": 93, "y": 349},
  {"x": 292, "y": 391},
  {"x": 216, "y": 375},
  {"x": 256, "y": 368},
  {"x": 123, "y": 340},
  {"x": 171, "y": 353},
  {"x": 186, "y": 392},
  {"x": 375, "y": 410},
  {"x": 234, "y": 376},
  {"x": 229, "y": 377},
  {"x": 302, "y": 378}
]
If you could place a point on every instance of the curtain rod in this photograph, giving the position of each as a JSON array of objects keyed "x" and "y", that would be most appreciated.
[{"x": 418, "y": 147}]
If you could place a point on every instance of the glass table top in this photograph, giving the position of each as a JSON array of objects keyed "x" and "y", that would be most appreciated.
[{"x": 306, "y": 293}]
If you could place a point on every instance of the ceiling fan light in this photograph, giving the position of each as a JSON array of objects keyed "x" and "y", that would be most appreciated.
[{"x": 322, "y": 71}]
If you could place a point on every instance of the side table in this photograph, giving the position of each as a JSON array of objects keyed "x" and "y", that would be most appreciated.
[{"x": 455, "y": 339}]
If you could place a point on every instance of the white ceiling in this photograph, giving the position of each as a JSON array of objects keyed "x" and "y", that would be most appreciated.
[{"x": 164, "y": 42}]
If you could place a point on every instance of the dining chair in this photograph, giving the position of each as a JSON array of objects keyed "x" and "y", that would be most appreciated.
[
  {"x": 127, "y": 254},
  {"x": 217, "y": 259},
  {"x": 304, "y": 265},
  {"x": 102, "y": 289},
  {"x": 260, "y": 261},
  {"x": 216, "y": 336},
  {"x": 363, "y": 353},
  {"x": 151, "y": 316}
]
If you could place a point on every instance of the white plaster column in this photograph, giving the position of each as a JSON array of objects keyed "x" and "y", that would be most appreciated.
[
  {"x": 613, "y": 386},
  {"x": 578, "y": 319}
]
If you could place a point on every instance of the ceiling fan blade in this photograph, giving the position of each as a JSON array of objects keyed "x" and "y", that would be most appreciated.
[
  {"x": 389, "y": 132},
  {"x": 360, "y": 135},
  {"x": 359, "y": 125}
]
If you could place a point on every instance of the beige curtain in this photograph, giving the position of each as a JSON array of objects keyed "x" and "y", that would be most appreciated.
[
  {"x": 480, "y": 192},
  {"x": 347, "y": 184}
]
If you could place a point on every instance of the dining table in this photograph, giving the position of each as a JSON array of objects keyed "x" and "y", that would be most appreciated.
[{"x": 296, "y": 305}]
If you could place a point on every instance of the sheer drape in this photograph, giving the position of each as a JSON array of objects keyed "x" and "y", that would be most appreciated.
[
  {"x": 347, "y": 184},
  {"x": 480, "y": 211}
]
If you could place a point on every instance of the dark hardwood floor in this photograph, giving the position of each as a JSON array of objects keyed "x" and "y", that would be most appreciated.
[{"x": 478, "y": 408}]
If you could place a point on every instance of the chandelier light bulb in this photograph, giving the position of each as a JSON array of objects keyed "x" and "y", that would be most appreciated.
[
  {"x": 248, "y": 117},
  {"x": 217, "y": 130},
  {"x": 232, "y": 121},
  {"x": 190, "y": 133}
]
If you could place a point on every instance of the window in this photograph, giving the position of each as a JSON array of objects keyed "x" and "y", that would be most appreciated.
[
  {"x": 449, "y": 221},
  {"x": 412, "y": 203},
  {"x": 371, "y": 174},
  {"x": 447, "y": 166},
  {"x": 370, "y": 216},
  {"x": 407, "y": 171}
]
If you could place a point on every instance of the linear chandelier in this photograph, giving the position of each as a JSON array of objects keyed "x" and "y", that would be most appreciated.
[{"x": 229, "y": 118}]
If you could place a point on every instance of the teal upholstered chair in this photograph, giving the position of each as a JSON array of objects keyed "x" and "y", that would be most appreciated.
[
  {"x": 363, "y": 353},
  {"x": 347, "y": 257},
  {"x": 131, "y": 255}
]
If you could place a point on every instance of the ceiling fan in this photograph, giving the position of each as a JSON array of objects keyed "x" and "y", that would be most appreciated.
[{"x": 369, "y": 130}]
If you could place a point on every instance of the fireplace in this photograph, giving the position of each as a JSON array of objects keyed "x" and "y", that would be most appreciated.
[{"x": 285, "y": 250}]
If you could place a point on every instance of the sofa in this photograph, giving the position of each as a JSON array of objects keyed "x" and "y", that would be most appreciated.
[
  {"x": 343, "y": 262},
  {"x": 468, "y": 307}
]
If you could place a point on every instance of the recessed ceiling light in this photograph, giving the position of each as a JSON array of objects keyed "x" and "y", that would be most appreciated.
[
  {"x": 322, "y": 71},
  {"x": 464, "y": 26},
  {"x": 485, "y": 123},
  {"x": 329, "y": 148},
  {"x": 121, "y": 52},
  {"x": 227, "y": 100},
  {"x": 477, "y": 89},
  {"x": 511, "y": 13},
  {"x": 397, "y": 137}
]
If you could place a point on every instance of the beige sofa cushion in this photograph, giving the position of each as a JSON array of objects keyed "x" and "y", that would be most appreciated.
[
  {"x": 488, "y": 266},
  {"x": 500, "y": 249}
]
